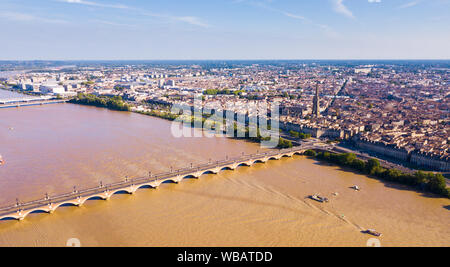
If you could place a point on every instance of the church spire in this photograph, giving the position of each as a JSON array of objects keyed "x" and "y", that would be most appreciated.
[{"x": 316, "y": 102}]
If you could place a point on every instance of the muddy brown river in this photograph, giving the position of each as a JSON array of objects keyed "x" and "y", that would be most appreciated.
[{"x": 50, "y": 149}]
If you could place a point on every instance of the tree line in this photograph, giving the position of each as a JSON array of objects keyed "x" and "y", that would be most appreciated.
[
  {"x": 222, "y": 92},
  {"x": 300, "y": 135},
  {"x": 113, "y": 103}
]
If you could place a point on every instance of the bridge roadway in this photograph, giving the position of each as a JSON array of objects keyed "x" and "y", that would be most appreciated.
[
  {"x": 20, "y": 211},
  {"x": 24, "y": 99},
  {"x": 32, "y": 103}
]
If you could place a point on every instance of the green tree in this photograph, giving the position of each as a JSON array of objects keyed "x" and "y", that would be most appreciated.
[
  {"x": 437, "y": 184},
  {"x": 310, "y": 153},
  {"x": 294, "y": 134},
  {"x": 347, "y": 158},
  {"x": 359, "y": 165},
  {"x": 211, "y": 92},
  {"x": 283, "y": 143},
  {"x": 372, "y": 164}
]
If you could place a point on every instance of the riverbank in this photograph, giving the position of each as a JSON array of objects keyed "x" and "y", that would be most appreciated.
[{"x": 431, "y": 182}]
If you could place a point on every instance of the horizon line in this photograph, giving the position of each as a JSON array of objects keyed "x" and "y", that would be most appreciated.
[{"x": 274, "y": 59}]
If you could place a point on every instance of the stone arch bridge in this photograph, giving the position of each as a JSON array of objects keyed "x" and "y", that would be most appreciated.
[{"x": 20, "y": 211}]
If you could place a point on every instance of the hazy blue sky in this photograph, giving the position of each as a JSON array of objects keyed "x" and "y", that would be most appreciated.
[{"x": 224, "y": 29}]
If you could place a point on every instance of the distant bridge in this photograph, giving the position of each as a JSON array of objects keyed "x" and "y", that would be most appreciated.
[
  {"x": 25, "y": 99},
  {"x": 36, "y": 102},
  {"x": 20, "y": 211}
]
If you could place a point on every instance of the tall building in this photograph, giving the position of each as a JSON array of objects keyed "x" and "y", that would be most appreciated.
[{"x": 316, "y": 102}]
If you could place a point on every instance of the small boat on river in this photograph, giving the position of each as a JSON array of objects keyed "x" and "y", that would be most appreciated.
[
  {"x": 372, "y": 232},
  {"x": 318, "y": 198},
  {"x": 356, "y": 188}
]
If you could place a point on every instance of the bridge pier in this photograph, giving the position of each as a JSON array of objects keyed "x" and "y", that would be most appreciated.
[
  {"x": 178, "y": 179},
  {"x": 156, "y": 184},
  {"x": 79, "y": 202},
  {"x": 106, "y": 196},
  {"x": 132, "y": 189},
  {"x": 20, "y": 217},
  {"x": 248, "y": 163},
  {"x": 215, "y": 171}
]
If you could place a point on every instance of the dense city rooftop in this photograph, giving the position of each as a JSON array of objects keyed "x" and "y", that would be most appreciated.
[{"x": 398, "y": 104}]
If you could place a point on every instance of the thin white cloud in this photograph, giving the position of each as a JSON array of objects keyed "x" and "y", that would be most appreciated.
[
  {"x": 90, "y": 3},
  {"x": 16, "y": 16},
  {"x": 374, "y": 1},
  {"x": 192, "y": 20},
  {"x": 287, "y": 14},
  {"x": 186, "y": 19},
  {"x": 105, "y": 22},
  {"x": 410, "y": 4},
  {"x": 264, "y": 5},
  {"x": 339, "y": 7}
]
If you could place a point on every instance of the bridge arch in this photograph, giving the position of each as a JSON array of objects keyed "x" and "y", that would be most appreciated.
[
  {"x": 145, "y": 186},
  {"x": 169, "y": 181},
  {"x": 209, "y": 172},
  {"x": 37, "y": 211},
  {"x": 68, "y": 204},
  {"x": 96, "y": 197},
  {"x": 191, "y": 176},
  {"x": 244, "y": 164},
  {"x": 9, "y": 218},
  {"x": 122, "y": 191}
]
